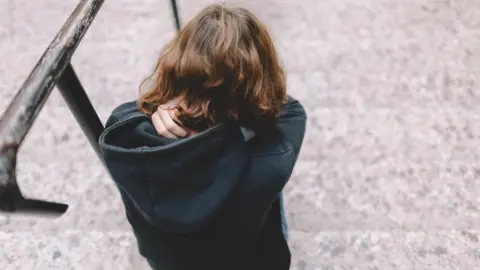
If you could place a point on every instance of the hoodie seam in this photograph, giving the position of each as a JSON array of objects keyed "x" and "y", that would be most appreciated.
[
  {"x": 110, "y": 147},
  {"x": 274, "y": 153}
]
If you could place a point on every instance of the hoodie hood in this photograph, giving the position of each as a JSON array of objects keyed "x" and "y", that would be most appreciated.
[{"x": 178, "y": 185}]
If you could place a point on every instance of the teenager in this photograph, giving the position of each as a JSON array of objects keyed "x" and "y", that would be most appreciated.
[{"x": 202, "y": 156}]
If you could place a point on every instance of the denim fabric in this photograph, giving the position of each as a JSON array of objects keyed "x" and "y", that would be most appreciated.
[{"x": 284, "y": 218}]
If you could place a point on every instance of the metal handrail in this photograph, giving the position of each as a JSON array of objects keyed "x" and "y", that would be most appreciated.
[
  {"x": 53, "y": 68},
  {"x": 176, "y": 17},
  {"x": 29, "y": 100}
]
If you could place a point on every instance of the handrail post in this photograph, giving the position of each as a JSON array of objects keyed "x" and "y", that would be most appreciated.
[{"x": 72, "y": 91}]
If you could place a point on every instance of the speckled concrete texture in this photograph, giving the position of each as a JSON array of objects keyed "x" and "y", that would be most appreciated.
[
  {"x": 386, "y": 250},
  {"x": 389, "y": 173},
  {"x": 66, "y": 250}
]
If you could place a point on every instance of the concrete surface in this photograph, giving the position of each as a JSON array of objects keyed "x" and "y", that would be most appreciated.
[{"x": 389, "y": 173}]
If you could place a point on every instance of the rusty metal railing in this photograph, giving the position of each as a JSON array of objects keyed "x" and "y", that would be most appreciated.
[{"x": 52, "y": 69}]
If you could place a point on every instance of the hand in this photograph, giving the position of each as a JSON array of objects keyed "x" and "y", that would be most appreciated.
[{"x": 164, "y": 123}]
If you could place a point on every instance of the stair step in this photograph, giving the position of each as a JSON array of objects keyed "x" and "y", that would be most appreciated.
[
  {"x": 386, "y": 250},
  {"x": 69, "y": 250}
]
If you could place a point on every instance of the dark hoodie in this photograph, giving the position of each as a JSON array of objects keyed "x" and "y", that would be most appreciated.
[{"x": 210, "y": 201}]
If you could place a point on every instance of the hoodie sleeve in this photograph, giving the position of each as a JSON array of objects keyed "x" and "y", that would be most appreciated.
[
  {"x": 121, "y": 112},
  {"x": 292, "y": 123}
]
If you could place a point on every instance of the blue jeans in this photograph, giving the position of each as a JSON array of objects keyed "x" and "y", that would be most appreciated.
[{"x": 284, "y": 218}]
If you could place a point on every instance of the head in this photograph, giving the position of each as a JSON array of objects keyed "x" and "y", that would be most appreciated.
[{"x": 222, "y": 66}]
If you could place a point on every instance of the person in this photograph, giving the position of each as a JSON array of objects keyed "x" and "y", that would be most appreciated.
[{"x": 201, "y": 158}]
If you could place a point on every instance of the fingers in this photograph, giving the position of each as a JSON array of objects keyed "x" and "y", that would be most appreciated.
[
  {"x": 165, "y": 125},
  {"x": 166, "y": 116},
  {"x": 160, "y": 127}
]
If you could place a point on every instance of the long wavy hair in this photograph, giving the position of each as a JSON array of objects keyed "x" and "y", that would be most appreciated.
[{"x": 221, "y": 66}]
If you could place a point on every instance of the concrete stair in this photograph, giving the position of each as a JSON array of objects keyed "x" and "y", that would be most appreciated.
[
  {"x": 389, "y": 174},
  {"x": 70, "y": 250}
]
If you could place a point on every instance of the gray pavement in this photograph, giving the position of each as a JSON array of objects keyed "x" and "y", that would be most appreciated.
[{"x": 389, "y": 173}]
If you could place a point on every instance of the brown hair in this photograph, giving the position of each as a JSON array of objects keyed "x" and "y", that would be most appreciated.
[{"x": 221, "y": 66}]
